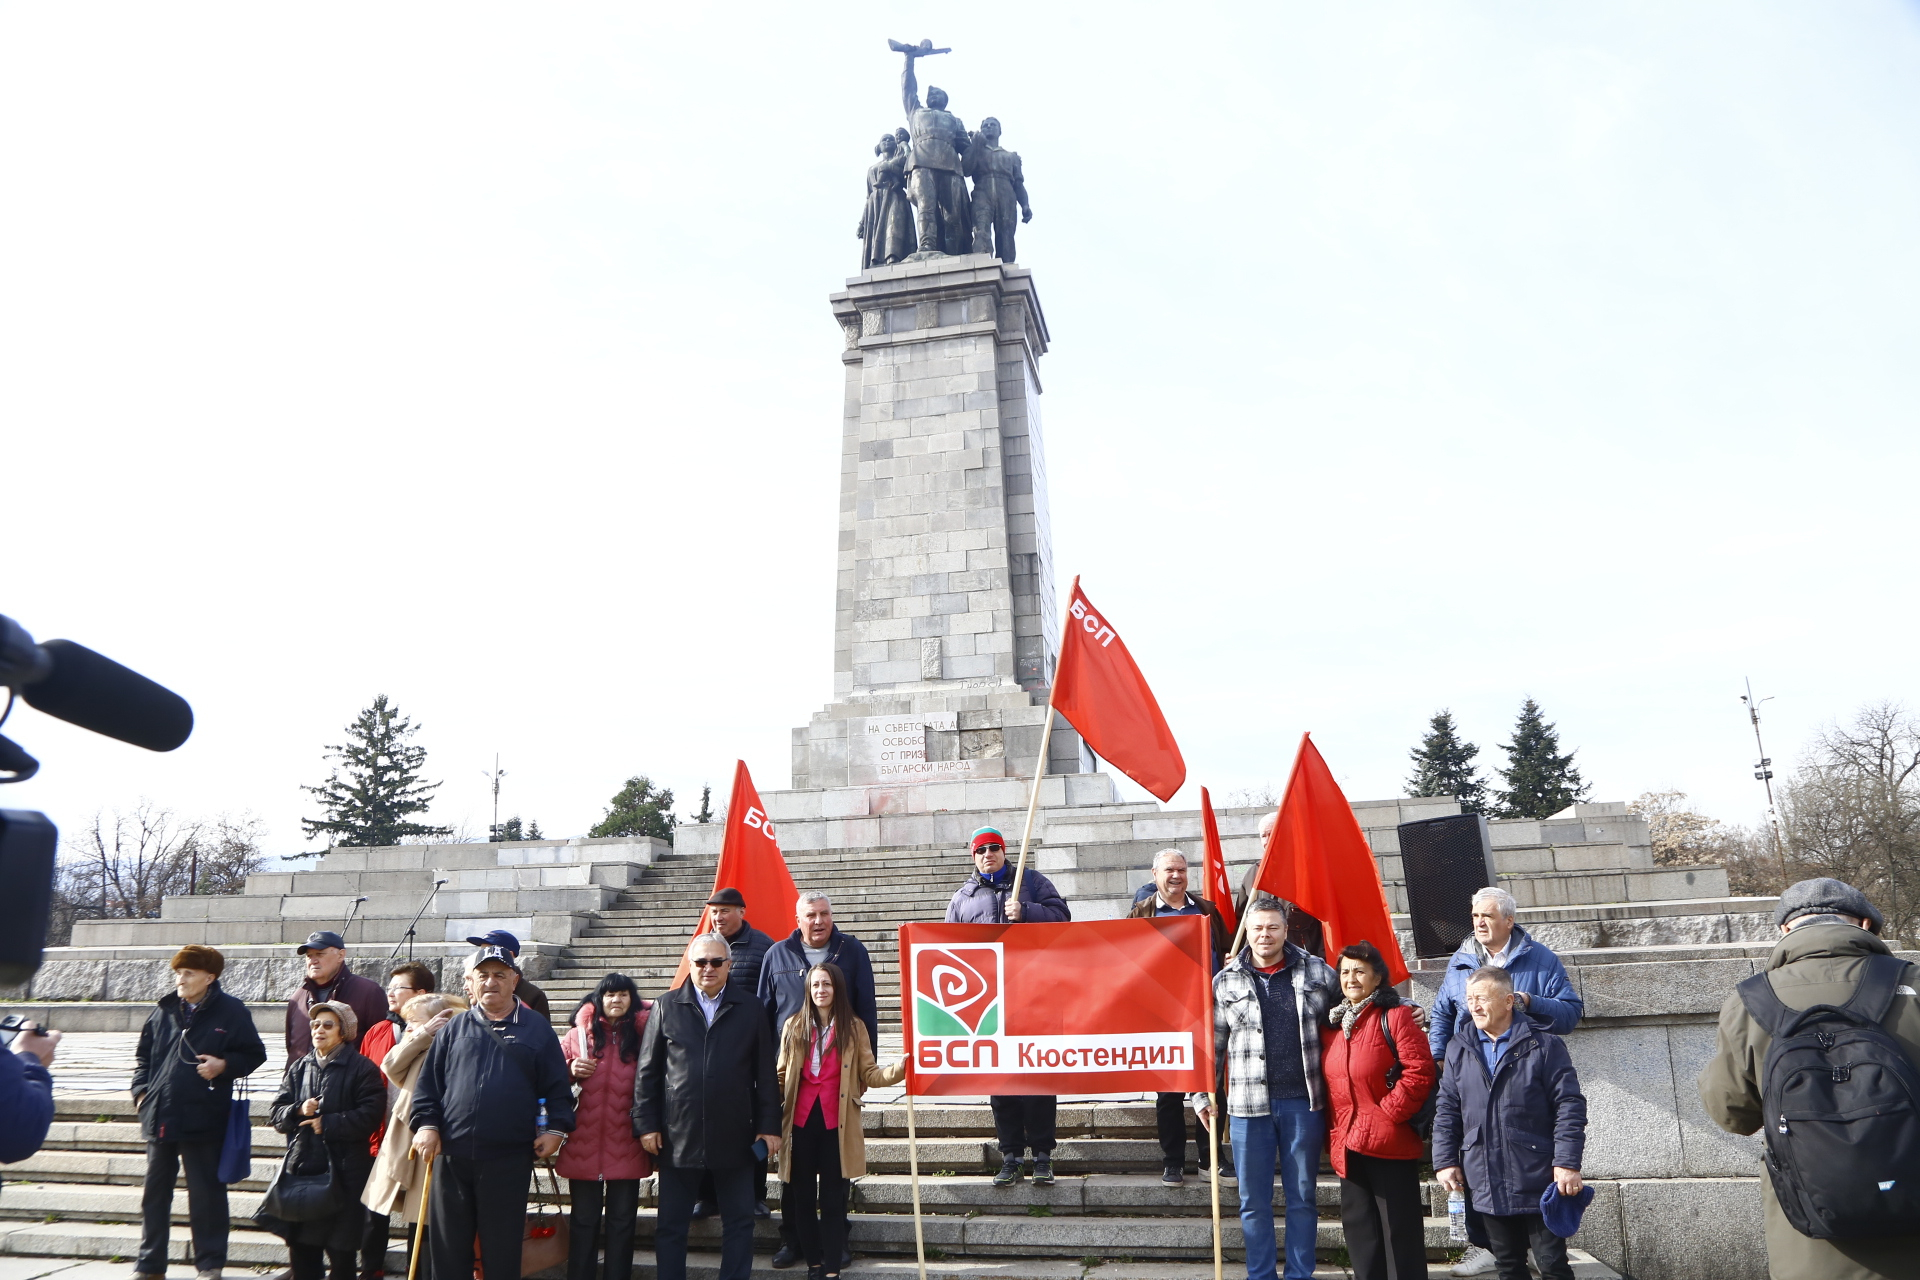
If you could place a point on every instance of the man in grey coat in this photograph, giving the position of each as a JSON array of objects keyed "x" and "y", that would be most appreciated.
[{"x": 1021, "y": 1122}]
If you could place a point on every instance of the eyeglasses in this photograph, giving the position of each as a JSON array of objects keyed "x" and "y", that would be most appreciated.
[
  {"x": 709, "y": 962},
  {"x": 991, "y": 848},
  {"x": 397, "y": 988}
]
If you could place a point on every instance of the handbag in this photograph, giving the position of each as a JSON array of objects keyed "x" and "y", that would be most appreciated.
[
  {"x": 298, "y": 1194},
  {"x": 236, "y": 1150},
  {"x": 301, "y": 1192},
  {"x": 547, "y": 1237}
]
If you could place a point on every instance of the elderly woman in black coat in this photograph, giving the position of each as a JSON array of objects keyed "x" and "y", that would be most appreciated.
[{"x": 332, "y": 1100}]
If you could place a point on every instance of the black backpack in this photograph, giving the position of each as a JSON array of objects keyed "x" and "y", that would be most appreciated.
[{"x": 1840, "y": 1104}]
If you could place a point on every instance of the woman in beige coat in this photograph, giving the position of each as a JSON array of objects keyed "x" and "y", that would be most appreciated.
[
  {"x": 394, "y": 1187},
  {"x": 826, "y": 1064}
]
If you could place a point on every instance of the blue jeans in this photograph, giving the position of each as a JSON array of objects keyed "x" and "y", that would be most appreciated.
[{"x": 1286, "y": 1142}]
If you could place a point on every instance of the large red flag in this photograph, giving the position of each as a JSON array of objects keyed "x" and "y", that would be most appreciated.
[
  {"x": 750, "y": 861},
  {"x": 1102, "y": 694},
  {"x": 1217, "y": 888},
  {"x": 1319, "y": 858}
]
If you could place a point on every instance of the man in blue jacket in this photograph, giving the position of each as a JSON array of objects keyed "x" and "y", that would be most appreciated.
[
  {"x": 492, "y": 1095},
  {"x": 1541, "y": 991},
  {"x": 1509, "y": 1122},
  {"x": 26, "y": 1092},
  {"x": 1540, "y": 985},
  {"x": 1021, "y": 1122}
]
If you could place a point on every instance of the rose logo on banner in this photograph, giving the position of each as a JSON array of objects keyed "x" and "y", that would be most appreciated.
[{"x": 956, "y": 990}]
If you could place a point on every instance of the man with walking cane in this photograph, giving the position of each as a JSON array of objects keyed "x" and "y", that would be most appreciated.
[{"x": 492, "y": 1097}]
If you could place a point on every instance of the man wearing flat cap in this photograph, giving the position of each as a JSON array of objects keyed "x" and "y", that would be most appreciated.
[
  {"x": 329, "y": 979},
  {"x": 747, "y": 944},
  {"x": 531, "y": 996},
  {"x": 1830, "y": 940}
]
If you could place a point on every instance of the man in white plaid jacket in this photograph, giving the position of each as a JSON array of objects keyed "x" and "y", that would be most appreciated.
[{"x": 1269, "y": 1004}]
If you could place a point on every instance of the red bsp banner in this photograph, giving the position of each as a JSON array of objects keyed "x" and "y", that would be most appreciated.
[{"x": 1103, "y": 1006}]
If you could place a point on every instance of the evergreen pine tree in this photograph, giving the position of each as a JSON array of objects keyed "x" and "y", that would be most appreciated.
[
  {"x": 704, "y": 814},
  {"x": 1540, "y": 781},
  {"x": 1443, "y": 766},
  {"x": 638, "y": 809},
  {"x": 514, "y": 829},
  {"x": 374, "y": 802}
]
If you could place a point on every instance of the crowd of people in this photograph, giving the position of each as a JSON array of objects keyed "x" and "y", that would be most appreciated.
[{"x": 427, "y": 1109}]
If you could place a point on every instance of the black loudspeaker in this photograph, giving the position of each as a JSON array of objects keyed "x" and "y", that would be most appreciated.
[{"x": 1443, "y": 861}]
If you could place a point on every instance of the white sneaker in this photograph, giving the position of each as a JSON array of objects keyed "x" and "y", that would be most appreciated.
[{"x": 1476, "y": 1262}]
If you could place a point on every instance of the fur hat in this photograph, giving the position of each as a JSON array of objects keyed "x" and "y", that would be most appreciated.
[
  {"x": 195, "y": 956},
  {"x": 349, "y": 1020}
]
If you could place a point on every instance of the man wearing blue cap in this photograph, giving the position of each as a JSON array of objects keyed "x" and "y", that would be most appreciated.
[
  {"x": 531, "y": 996},
  {"x": 1512, "y": 1087},
  {"x": 328, "y": 978}
]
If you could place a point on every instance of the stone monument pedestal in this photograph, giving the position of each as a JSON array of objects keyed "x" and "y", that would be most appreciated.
[{"x": 945, "y": 630}]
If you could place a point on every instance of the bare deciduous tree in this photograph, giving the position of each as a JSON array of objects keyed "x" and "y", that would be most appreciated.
[
  {"x": 1852, "y": 811},
  {"x": 1685, "y": 837},
  {"x": 124, "y": 862}
]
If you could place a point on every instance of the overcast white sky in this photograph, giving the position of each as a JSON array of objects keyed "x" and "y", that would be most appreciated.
[{"x": 1405, "y": 356}]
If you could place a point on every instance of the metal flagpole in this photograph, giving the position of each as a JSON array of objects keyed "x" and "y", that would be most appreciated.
[
  {"x": 1213, "y": 1140},
  {"x": 913, "y": 1168},
  {"x": 1040, "y": 769}
]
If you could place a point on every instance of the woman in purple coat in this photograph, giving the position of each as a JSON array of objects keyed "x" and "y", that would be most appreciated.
[{"x": 1025, "y": 1121}]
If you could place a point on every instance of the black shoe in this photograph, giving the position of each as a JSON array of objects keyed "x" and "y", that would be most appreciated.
[
  {"x": 1009, "y": 1173},
  {"x": 1042, "y": 1171},
  {"x": 702, "y": 1209},
  {"x": 846, "y": 1258},
  {"x": 817, "y": 1273},
  {"x": 784, "y": 1257},
  {"x": 760, "y": 1209},
  {"x": 1171, "y": 1176}
]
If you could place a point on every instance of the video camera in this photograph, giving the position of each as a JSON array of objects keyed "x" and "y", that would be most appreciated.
[{"x": 73, "y": 683}]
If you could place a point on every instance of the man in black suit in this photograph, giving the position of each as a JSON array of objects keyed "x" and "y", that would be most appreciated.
[{"x": 704, "y": 1091}]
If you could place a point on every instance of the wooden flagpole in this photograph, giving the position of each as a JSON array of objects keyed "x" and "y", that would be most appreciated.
[
  {"x": 420, "y": 1228},
  {"x": 1213, "y": 1140},
  {"x": 913, "y": 1168},
  {"x": 1040, "y": 768}
]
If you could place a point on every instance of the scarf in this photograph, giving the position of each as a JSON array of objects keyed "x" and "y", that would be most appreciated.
[
  {"x": 998, "y": 879},
  {"x": 822, "y": 1041},
  {"x": 1347, "y": 1012}
]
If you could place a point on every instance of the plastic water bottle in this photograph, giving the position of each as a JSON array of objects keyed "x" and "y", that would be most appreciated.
[
  {"x": 540, "y": 1125},
  {"x": 1456, "y": 1217}
]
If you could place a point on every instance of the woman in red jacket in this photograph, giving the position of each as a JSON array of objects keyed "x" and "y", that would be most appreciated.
[
  {"x": 603, "y": 1160},
  {"x": 1372, "y": 1094}
]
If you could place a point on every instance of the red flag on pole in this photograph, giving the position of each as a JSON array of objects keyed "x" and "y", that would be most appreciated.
[
  {"x": 750, "y": 861},
  {"x": 1216, "y": 887},
  {"x": 1319, "y": 858},
  {"x": 1103, "y": 695}
]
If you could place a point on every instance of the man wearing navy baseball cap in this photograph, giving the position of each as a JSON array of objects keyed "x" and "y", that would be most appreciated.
[
  {"x": 531, "y": 996},
  {"x": 328, "y": 978}
]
